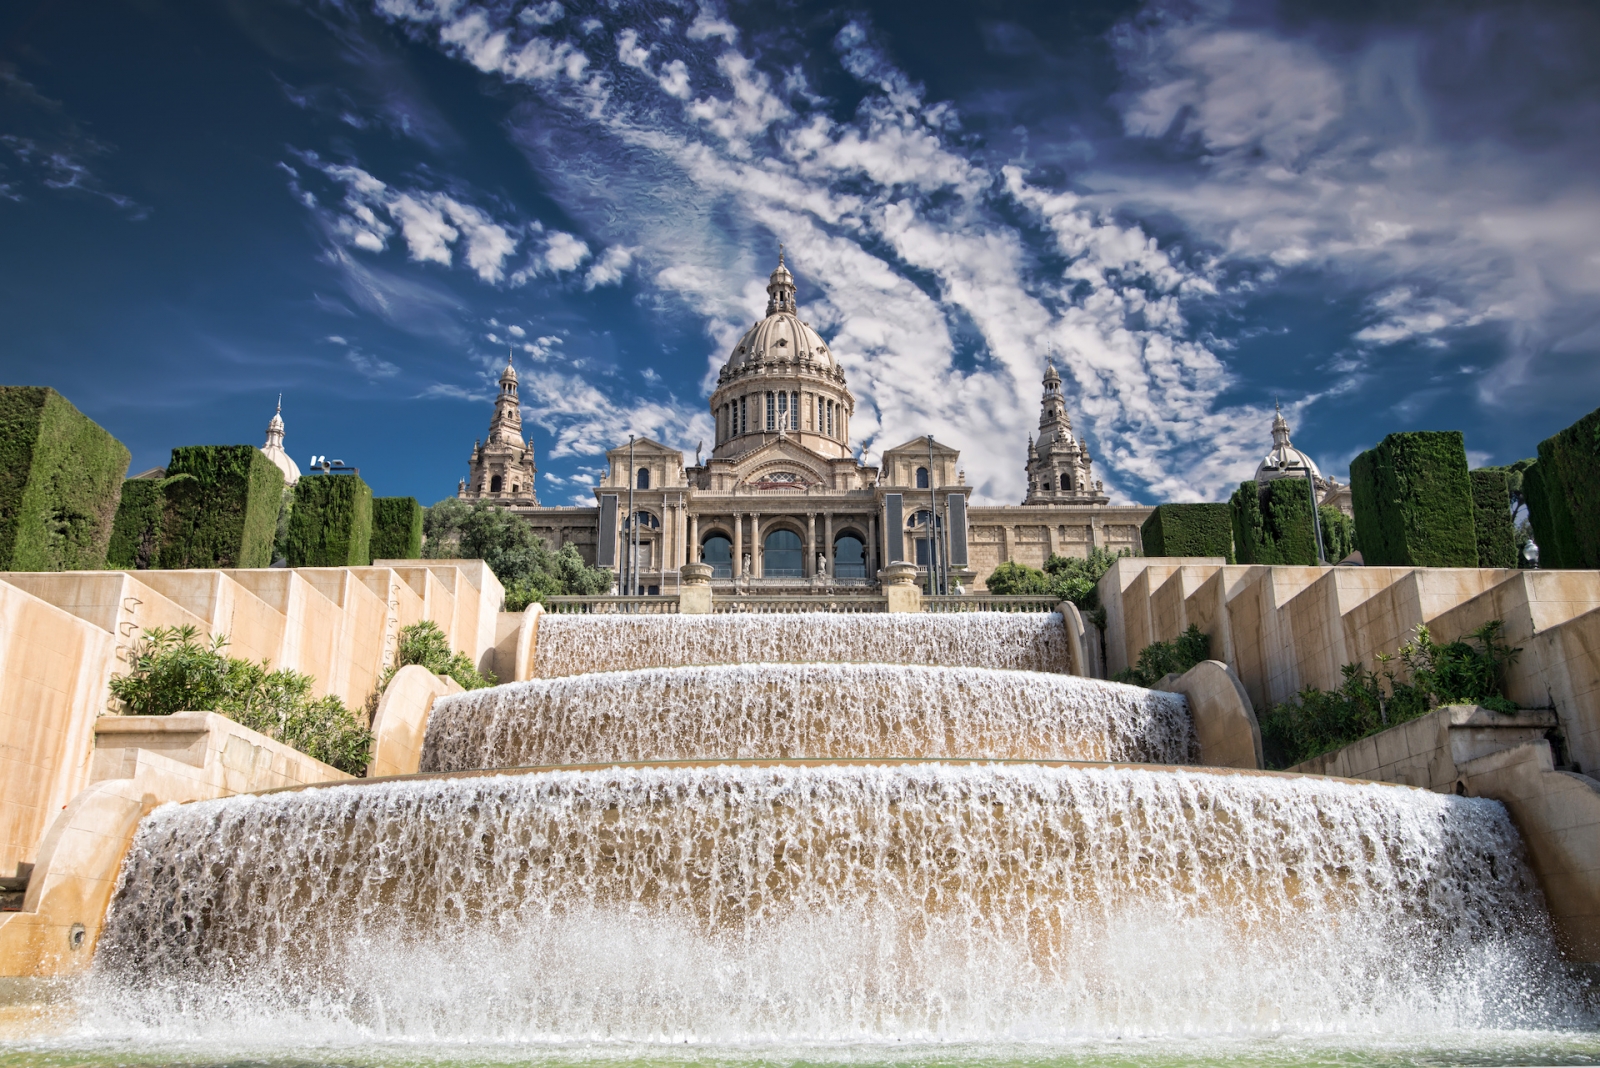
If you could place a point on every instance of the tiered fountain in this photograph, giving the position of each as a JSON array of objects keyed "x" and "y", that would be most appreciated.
[{"x": 812, "y": 829}]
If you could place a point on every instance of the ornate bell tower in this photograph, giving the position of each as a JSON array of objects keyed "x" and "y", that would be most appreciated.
[
  {"x": 503, "y": 467},
  {"x": 1059, "y": 467}
]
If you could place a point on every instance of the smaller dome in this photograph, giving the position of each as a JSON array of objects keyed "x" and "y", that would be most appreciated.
[
  {"x": 1285, "y": 460},
  {"x": 274, "y": 448}
]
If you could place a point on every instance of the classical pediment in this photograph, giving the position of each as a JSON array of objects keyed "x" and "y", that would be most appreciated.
[{"x": 781, "y": 466}]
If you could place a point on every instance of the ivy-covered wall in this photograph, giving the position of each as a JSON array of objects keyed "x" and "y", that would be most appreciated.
[
  {"x": 221, "y": 507},
  {"x": 1272, "y": 522},
  {"x": 60, "y": 479},
  {"x": 1569, "y": 463},
  {"x": 136, "y": 532},
  {"x": 1188, "y": 530},
  {"x": 331, "y": 525},
  {"x": 1491, "y": 518},
  {"x": 396, "y": 528},
  {"x": 1413, "y": 501}
]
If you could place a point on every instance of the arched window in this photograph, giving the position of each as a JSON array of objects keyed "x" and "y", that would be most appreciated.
[
  {"x": 1066, "y": 481},
  {"x": 781, "y": 556},
  {"x": 646, "y": 521},
  {"x": 718, "y": 552},
  {"x": 849, "y": 557},
  {"x": 643, "y": 481},
  {"x": 922, "y": 478},
  {"x": 920, "y": 523},
  {"x": 495, "y": 484},
  {"x": 513, "y": 487}
]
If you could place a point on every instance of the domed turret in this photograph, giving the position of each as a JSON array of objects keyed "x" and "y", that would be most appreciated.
[
  {"x": 274, "y": 447},
  {"x": 781, "y": 378},
  {"x": 1285, "y": 460}
]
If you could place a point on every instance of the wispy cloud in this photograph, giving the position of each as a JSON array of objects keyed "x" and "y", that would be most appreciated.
[{"x": 44, "y": 148}]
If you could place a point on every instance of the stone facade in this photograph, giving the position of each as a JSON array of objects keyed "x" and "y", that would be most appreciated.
[{"x": 782, "y": 504}]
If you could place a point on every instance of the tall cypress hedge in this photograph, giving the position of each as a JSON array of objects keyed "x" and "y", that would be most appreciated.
[
  {"x": 396, "y": 528},
  {"x": 221, "y": 507},
  {"x": 331, "y": 525},
  {"x": 1491, "y": 518},
  {"x": 136, "y": 532},
  {"x": 1272, "y": 522},
  {"x": 1413, "y": 501},
  {"x": 1188, "y": 530},
  {"x": 60, "y": 480},
  {"x": 1549, "y": 518},
  {"x": 1569, "y": 470}
]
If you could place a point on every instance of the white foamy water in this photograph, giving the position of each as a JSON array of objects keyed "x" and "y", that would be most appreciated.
[
  {"x": 805, "y": 710},
  {"x": 737, "y": 904},
  {"x": 578, "y": 644}
]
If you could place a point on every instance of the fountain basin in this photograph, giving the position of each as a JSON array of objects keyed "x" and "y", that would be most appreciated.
[{"x": 805, "y": 711}]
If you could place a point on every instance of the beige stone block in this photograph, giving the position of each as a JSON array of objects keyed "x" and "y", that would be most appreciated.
[
  {"x": 1224, "y": 721},
  {"x": 401, "y": 721}
]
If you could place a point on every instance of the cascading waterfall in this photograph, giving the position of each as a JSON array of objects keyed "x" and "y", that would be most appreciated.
[
  {"x": 847, "y": 902},
  {"x": 578, "y": 644},
  {"x": 805, "y": 711}
]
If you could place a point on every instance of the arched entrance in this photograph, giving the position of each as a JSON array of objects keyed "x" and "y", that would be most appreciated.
[
  {"x": 781, "y": 555},
  {"x": 849, "y": 557},
  {"x": 718, "y": 552}
]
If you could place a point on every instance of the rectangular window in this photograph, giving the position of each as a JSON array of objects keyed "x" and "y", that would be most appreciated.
[
  {"x": 772, "y": 418},
  {"x": 818, "y": 427},
  {"x": 783, "y": 404},
  {"x": 794, "y": 408},
  {"x": 830, "y": 419},
  {"x": 744, "y": 415}
]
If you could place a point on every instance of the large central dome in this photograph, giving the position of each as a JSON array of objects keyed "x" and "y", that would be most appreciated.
[{"x": 781, "y": 337}]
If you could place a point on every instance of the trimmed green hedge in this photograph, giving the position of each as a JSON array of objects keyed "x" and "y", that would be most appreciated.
[
  {"x": 1413, "y": 501},
  {"x": 221, "y": 507},
  {"x": 1188, "y": 530},
  {"x": 136, "y": 532},
  {"x": 1272, "y": 522},
  {"x": 396, "y": 528},
  {"x": 1549, "y": 518},
  {"x": 60, "y": 480},
  {"x": 1491, "y": 518},
  {"x": 1338, "y": 533},
  {"x": 1569, "y": 464},
  {"x": 331, "y": 525}
]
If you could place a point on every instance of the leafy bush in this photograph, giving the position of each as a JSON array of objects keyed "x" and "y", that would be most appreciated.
[
  {"x": 1160, "y": 659},
  {"x": 1491, "y": 517},
  {"x": 1549, "y": 519},
  {"x": 396, "y": 528},
  {"x": 1012, "y": 579},
  {"x": 1468, "y": 670},
  {"x": 60, "y": 480},
  {"x": 1188, "y": 530},
  {"x": 1569, "y": 467},
  {"x": 425, "y": 644},
  {"x": 527, "y": 569},
  {"x": 1413, "y": 501},
  {"x": 221, "y": 507},
  {"x": 1067, "y": 578},
  {"x": 1272, "y": 522},
  {"x": 331, "y": 524},
  {"x": 174, "y": 671},
  {"x": 136, "y": 531}
]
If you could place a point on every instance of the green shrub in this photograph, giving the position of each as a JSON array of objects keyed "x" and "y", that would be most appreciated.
[
  {"x": 1469, "y": 670},
  {"x": 1491, "y": 518},
  {"x": 1160, "y": 659},
  {"x": 60, "y": 479},
  {"x": 1569, "y": 462},
  {"x": 1338, "y": 533},
  {"x": 526, "y": 568},
  {"x": 1188, "y": 530},
  {"x": 1549, "y": 518},
  {"x": 173, "y": 671},
  {"x": 1012, "y": 579},
  {"x": 221, "y": 507},
  {"x": 331, "y": 525},
  {"x": 396, "y": 528},
  {"x": 1066, "y": 578},
  {"x": 1413, "y": 501},
  {"x": 1272, "y": 522},
  {"x": 425, "y": 644},
  {"x": 136, "y": 531}
]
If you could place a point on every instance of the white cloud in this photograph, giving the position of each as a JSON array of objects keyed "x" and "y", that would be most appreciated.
[
  {"x": 515, "y": 331},
  {"x": 609, "y": 268},
  {"x": 371, "y": 367}
]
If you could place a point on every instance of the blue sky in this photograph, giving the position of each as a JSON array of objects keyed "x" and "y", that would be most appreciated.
[{"x": 1385, "y": 215}]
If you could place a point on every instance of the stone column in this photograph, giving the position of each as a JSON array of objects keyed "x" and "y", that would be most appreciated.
[
  {"x": 872, "y": 545},
  {"x": 809, "y": 568},
  {"x": 758, "y": 560},
  {"x": 738, "y": 545},
  {"x": 694, "y": 540},
  {"x": 827, "y": 532},
  {"x": 694, "y": 597},
  {"x": 1005, "y": 542}
]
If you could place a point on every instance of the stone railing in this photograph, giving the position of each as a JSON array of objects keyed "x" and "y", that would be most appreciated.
[
  {"x": 661, "y": 605},
  {"x": 984, "y": 602},
  {"x": 756, "y": 603}
]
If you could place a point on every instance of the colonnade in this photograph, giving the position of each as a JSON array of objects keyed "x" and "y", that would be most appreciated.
[{"x": 762, "y": 523}]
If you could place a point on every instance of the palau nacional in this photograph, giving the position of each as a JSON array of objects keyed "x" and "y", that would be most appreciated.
[{"x": 783, "y": 506}]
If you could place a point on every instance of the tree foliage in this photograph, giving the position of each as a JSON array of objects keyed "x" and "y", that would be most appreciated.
[
  {"x": 1067, "y": 578},
  {"x": 1469, "y": 670},
  {"x": 174, "y": 671},
  {"x": 522, "y": 562},
  {"x": 425, "y": 644}
]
